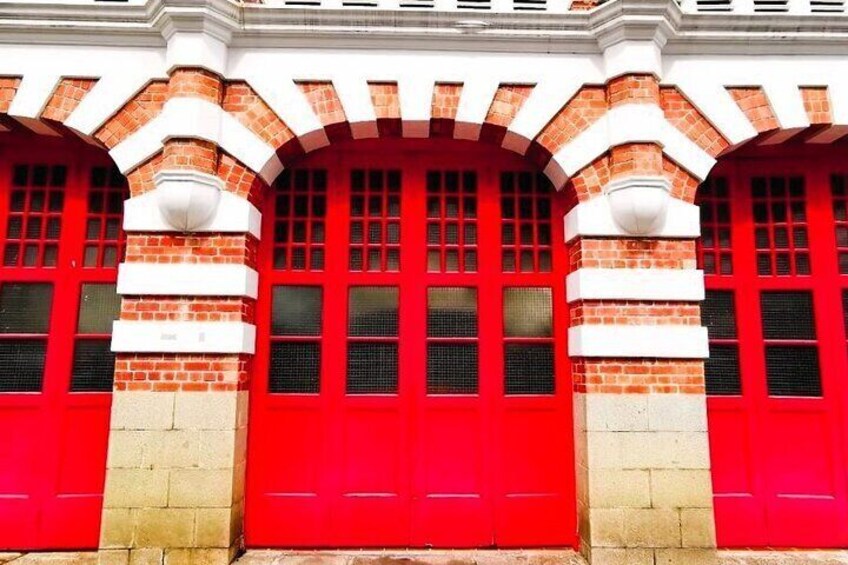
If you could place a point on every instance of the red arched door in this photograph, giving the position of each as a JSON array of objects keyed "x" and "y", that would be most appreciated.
[
  {"x": 412, "y": 384},
  {"x": 774, "y": 250},
  {"x": 61, "y": 241}
]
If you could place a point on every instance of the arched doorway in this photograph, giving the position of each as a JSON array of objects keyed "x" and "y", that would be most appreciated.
[
  {"x": 773, "y": 249},
  {"x": 61, "y": 206},
  {"x": 412, "y": 383}
]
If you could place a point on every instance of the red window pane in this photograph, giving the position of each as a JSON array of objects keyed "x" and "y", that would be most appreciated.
[
  {"x": 839, "y": 199},
  {"x": 714, "y": 249},
  {"x": 780, "y": 225},
  {"x": 300, "y": 209},
  {"x": 104, "y": 234},
  {"x": 375, "y": 220},
  {"x": 452, "y": 221},
  {"x": 34, "y": 225},
  {"x": 526, "y": 223}
]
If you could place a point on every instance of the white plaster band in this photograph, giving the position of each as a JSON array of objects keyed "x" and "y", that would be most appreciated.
[
  {"x": 183, "y": 337},
  {"x": 233, "y": 214},
  {"x": 593, "y": 218},
  {"x": 685, "y": 285},
  {"x": 663, "y": 341},
  {"x": 195, "y": 118},
  {"x": 628, "y": 123},
  {"x": 187, "y": 279}
]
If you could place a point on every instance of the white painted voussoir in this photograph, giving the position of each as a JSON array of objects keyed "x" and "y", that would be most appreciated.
[
  {"x": 416, "y": 101},
  {"x": 638, "y": 341},
  {"x": 183, "y": 337},
  {"x": 191, "y": 117},
  {"x": 633, "y": 123},
  {"x": 474, "y": 103},
  {"x": 33, "y": 94},
  {"x": 593, "y": 218},
  {"x": 684, "y": 285},
  {"x": 716, "y": 104},
  {"x": 233, "y": 214},
  {"x": 143, "y": 144},
  {"x": 186, "y": 279},
  {"x": 546, "y": 99},
  {"x": 787, "y": 103},
  {"x": 108, "y": 96}
]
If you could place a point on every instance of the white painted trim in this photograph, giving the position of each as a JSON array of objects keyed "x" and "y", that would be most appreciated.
[
  {"x": 183, "y": 337},
  {"x": 685, "y": 285},
  {"x": 632, "y": 57},
  {"x": 234, "y": 214},
  {"x": 196, "y": 49},
  {"x": 593, "y": 218},
  {"x": 187, "y": 279},
  {"x": 658, "y": 341}
]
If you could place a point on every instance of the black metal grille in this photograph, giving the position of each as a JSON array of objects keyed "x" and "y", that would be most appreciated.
[
  {"x": 722, "y": 370},
  {"x": 373, "y": 311},
  {"x": 25, "y": 308},
  {"x": 94, "y": 366},
  {"x": 372, "y": 368},
  {"x": 296, "y": 310},
  {"x": 787, "y": 315},
  {"x": 452, "y": 368},
  {"x": 452, "y": 312},
  {"x": 527, "y": 312},
  {"x": 100, "y": 305},
  {"x": 529, "y": 368},
  {"x": 295, "y": 367},
  {"x": 793, "y": 370},
  {"x": 719, "y": 314},
  {"x": 21, "y": 365},
  {"x": 845, "y": 309}
]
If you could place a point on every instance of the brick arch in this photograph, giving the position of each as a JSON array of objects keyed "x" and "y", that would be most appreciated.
[{"x": 388, "y": 121}]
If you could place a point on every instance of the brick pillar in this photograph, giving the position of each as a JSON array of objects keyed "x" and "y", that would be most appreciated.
[
  {"x": 642, "y": 452},
  {"x": 175, "y": 471}
]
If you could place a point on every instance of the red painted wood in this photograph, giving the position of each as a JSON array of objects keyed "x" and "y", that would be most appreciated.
[
  {"x": 411, "y": 469},
  {"x": 780, "y": 464},
  {"x": 53, "y": 445}
]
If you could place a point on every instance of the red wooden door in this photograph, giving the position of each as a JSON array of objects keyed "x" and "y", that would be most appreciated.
[
  {"x": 61, "y": 241},
  {"x": 412, "y": 386},
  {"x": 776, "y": 377}
]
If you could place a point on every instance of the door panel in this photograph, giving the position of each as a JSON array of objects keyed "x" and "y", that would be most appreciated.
[
  {"x": 389, "y": 421},
  {"x": 60, "y": 217},
  {"x": 776, "y": 375}
]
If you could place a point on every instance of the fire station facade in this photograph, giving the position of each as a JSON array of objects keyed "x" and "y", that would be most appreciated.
[{"x": 451, "y": 274}]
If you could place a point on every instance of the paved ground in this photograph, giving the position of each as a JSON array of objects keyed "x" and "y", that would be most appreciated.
[
  {"x": 64, "y": 558},
  {"x": 539, "y": 557},
  {"x": 411, "y": 558}
]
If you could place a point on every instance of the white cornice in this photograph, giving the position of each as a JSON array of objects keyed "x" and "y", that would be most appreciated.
[{"x": 138, "y": 23}]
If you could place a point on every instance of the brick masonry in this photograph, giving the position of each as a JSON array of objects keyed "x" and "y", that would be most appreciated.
[{"x": 179, "y": 420}]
